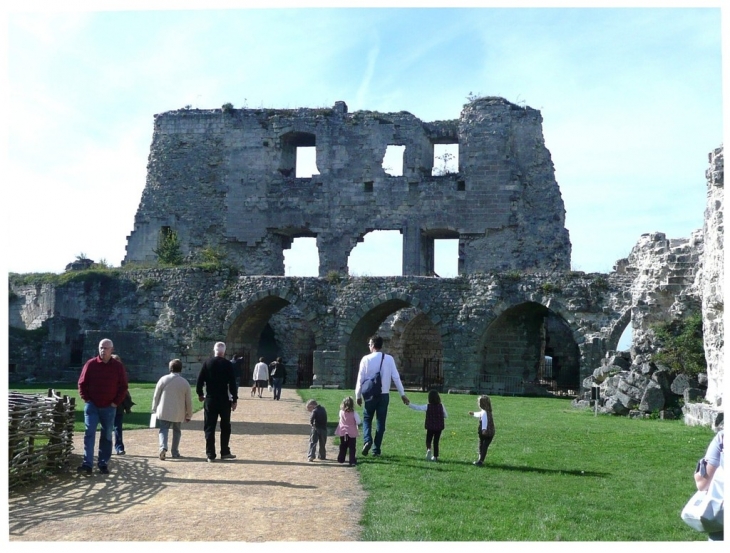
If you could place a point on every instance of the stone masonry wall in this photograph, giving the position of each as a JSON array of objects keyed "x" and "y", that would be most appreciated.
[
  {"x": 226, "y": 179},
  {"x": 711, "y": 277}
]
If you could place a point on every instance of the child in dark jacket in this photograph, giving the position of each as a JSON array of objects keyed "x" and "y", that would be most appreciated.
[
  {"x": 318, "y": 420},
  {"x": 434, "y": 425}
]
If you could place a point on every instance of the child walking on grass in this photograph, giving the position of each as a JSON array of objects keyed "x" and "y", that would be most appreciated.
[
  {"x": 347, "y": 430},
  {"x": 434, "y": 425},
  {"x": 486, "y": 427}
]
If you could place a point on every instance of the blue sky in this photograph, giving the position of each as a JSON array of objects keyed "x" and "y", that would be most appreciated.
[{"x": 631, "y": 102}]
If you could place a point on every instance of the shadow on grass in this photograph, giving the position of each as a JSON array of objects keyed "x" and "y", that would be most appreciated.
[{"x": 425, "y": 465}]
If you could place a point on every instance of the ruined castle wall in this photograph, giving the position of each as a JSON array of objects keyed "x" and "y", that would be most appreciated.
[
  {"x": 226, "y": 179},
  {"x": 712, "y": 276},
  {"x": 663, "y": 272},
  {"x": 155, "y": 315}
]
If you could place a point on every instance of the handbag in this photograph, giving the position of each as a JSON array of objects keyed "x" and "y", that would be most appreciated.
[
  {"x": 373, "y": 387},
  {"x": 153, "y": 420},
  {"x": 705, "y": 510}
]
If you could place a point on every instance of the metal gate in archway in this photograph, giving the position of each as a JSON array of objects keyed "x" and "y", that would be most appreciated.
[{"x": 305, "y": 370}]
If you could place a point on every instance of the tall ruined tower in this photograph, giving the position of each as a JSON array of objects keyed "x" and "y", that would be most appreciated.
[{"x": 226, "y": 178}]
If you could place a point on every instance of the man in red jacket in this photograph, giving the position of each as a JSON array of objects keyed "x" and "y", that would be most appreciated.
[{"x": 102, "y": 385}]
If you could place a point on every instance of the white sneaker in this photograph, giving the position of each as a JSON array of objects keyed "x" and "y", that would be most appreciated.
[{"x": 428, "y": 455}]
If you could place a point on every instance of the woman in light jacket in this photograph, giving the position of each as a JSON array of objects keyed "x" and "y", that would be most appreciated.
[{"x": 173, "y": 404}]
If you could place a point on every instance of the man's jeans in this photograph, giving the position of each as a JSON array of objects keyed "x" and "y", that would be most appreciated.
[
  {"x": 377, "y": 407},
  {"x": 93, "y": 416},
  {"x": 277, "y": 382},
  {"x": 176, "y": 433}
]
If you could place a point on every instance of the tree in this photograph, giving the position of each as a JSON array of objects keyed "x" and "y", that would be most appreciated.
[
  {"x": 169, "y": 251},
  {"x": 680, "y": 345}
]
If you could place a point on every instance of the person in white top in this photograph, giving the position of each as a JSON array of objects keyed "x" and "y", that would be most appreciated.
[
  {"x": 172, "y": 403},
  {"x": 260, "y": 377},
  {"x": 486, "y": 427},
  {"x": 377, "y": 406}
]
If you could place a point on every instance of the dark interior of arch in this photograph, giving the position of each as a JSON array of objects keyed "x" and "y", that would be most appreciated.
[
  {"x": 420, "y": 353},
  {"x": 245, "y": 334},
  {"x": 357, "y": 346},
  {"x": 516, "y": 343}
]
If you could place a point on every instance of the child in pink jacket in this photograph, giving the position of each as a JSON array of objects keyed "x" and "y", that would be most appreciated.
[{"x": 347, "y": 430}]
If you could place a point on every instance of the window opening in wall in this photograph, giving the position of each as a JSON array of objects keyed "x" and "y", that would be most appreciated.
[
  {"x": 393, "y": 160},
  {"x": 306, "y": 162},
  {"x": 379, "y": 254},
  {"x": 624, "y": 343},
  {"x": 446, "y": 257},
  {"x": 445, "y": 159},
  {"x": 368, "y": 186},
  {"x": 302, "y": 259},
  {"x": 461, "y": 186}
]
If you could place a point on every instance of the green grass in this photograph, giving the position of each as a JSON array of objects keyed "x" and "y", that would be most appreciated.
[
  {"x": 553, "y": 473},
  {"x": 141, "y": 393}
]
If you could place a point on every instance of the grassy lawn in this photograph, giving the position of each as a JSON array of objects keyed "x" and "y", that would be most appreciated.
[
  {"x": 141, "y": 393},
  {"x": 553, "y": 473}
]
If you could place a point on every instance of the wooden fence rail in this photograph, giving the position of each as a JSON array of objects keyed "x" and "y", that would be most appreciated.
[{"x": 40, "y": 434}]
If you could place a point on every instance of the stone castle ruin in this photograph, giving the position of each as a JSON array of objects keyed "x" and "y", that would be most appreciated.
[
  {"x": 227, "y": 180},
  {"x": 516, "y": 320}
]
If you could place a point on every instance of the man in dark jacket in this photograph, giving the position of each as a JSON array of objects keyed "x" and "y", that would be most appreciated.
[
  {"x": 219, "y": 399},
  {"x": 103, "y": 386},
  {"x": 277, "y": 372}
]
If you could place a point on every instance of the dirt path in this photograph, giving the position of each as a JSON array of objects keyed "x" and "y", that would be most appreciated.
[{"x": 266, "y": 494}]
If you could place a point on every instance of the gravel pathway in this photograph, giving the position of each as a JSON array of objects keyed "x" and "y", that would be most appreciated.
[{"x": 268, "y": 493}]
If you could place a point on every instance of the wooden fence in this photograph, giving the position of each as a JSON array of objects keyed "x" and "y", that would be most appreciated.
[{"x": 40, "y": 435}]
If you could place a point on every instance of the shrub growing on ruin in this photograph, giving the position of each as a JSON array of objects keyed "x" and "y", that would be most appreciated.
[
  {"x": 169, "y": 251},
  {"x": 681, "y": 345}
]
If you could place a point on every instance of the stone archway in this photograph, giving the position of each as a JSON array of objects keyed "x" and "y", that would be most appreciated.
[
  {"x": 617, "y": 330},
  {"x": 515, "y": 346},
  {"x": 420, "y": 351},
  {"x": 371, "y": 320},
  {"x": 270, "y": 326}
]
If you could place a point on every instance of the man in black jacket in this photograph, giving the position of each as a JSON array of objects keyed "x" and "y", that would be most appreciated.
[
  {"x": 219, "y": 399},
  {"x": 277, "y": 372}
]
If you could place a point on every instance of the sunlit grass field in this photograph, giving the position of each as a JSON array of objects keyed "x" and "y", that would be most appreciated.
[{"x": 553, "y": 472}]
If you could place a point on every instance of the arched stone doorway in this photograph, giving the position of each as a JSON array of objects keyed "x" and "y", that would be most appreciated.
[
  {"x": 417, "y": 342},
  {"x": 516, "y": 346},
  {"x": 271, "y": 327},
  {"x": 409, "y": 336}
]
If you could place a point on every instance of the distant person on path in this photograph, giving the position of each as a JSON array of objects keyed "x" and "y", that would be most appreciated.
[
  {"x": 237, "y": 361},
  {"x": 434, "y": 425},
  {"x": 318, "y": 436},
  {"x": 124, "y": 407},
  {"x": 260, "y": 377},
  {"x": 103, "y": 386},
  {"x": 277, "y": 371},
  {"x": 377, "y": 407},
  {"x": 219, "y": 399},
  {"x": 172, "y": 402},
  {"x": 347, "y": 431},
  {"x": 706, "y": 468},
  {"x": 486, "y": 427}
]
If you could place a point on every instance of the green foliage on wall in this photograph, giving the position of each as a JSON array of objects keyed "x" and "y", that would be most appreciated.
[
  {"x": 169, "y": 251},
  {"x": 681, "y": 345}
]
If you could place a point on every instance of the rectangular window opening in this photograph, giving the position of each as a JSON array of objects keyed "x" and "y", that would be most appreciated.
[
  {"x": 306, "y": 163},
  {"x": 393, "y": 160},
  {"x": 369, "y": 186},
  {"x": 445, "y": 159},
  {"x": 446, "y": 257}
]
